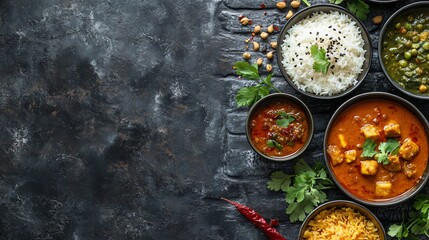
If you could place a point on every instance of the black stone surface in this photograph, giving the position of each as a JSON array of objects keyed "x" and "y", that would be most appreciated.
[{"x": 118, "y": 120}]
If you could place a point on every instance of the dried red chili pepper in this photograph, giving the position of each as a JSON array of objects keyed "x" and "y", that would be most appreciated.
[{"x": 257, "y": 220}]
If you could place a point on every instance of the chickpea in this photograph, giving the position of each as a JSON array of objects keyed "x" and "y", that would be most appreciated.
[
  {"x": 295, "y": 4},
  {"x": 264, "y": 35},
  {"x": 257, "y": 29},
  {"x": 255, "y": 46},
  {"x": 289, "y": 14},
  {"x": 270, "y": 29},
  {"x": 281, "y": 5},
  {"x": 377, "y": 19},
  {"x": 244, "y": 21},
  {"x": 423, "y": 88},
  {"x": 259, "y": 61},
  {"x": 269, "y": 68},
  {"x": 273, "y": 45},
  {"x": 246, "y": 55},
  {"x": 270, "y": 55}
]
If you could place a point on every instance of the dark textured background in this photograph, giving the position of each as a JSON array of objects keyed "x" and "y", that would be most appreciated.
[{"x": 118, "y": 120}]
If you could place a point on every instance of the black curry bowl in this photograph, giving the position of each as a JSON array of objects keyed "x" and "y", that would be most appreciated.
[
  {"x": 404, "y": 50},
  {"x": 383, "y": 1},
  {"x": 325, "y": 8},
  {"x": 267, "y": 138},
  {"x": 338, "y": 204},
  {"x": 377, "y": 186}
]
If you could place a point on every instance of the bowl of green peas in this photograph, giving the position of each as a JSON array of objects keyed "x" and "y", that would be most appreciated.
[{"x": 404, "y": 49}]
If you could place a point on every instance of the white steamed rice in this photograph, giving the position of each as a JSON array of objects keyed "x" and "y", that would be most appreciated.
[{"x": 346, "y": 54}]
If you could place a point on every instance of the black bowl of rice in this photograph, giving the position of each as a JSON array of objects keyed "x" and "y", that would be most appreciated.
[
  {"x": 338, "y": 37},
  {"x": 341, "y": 219}
]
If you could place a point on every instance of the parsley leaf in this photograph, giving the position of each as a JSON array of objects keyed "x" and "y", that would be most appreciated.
[
  {"x": 306, "y": 191},
  {"x": 247, "y": 96},
  {"x": 284, "y": 120},
  {"x": 279, "y": 181},
  {"x": 336, "y": 1},
  {"x": 359, "y": 8},
  {"x": 321, "y": 63},
  {"x": 306, "y": 3},
  {"x": 417, "y": 223},
  {"x": 369, "y": 148},
  {"x": 273, "y": 143},
  {"x": 387, "y": 148}
]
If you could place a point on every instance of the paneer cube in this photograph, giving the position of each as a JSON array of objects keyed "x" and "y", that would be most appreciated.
[
  {"x": 383, "y": 188},
  {"x": 394, "y": 164},
  {"x": 408, "y": 149},
  {"x": 409, "y": 169},
  {"x": 392, "y": 130},
  {"x": 336, "y": 155},
  {"x": 368, "y": 167},
  {"x": 371, "y": 132},
  {"x": 350, "y": 155},
  {"x": 342, "y": 140}
]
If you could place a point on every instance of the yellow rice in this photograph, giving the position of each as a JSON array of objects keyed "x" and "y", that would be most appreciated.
[{"x": 341, "y": 224}]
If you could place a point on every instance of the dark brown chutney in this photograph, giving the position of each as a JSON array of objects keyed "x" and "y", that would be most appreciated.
[{"x": 405, "y": 51}]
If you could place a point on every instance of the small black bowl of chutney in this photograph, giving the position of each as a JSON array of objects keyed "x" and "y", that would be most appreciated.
[{"x": 404, "y": 49}]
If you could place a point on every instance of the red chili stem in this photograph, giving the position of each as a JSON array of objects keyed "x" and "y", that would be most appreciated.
[{"x": 257, "y": 220}]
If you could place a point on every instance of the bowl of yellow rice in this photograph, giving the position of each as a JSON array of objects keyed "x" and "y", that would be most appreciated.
[{"x": 341, "y": 219}]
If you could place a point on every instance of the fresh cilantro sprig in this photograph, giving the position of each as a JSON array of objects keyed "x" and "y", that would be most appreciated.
[
  {"x": 418, "y": 222},
  {"x": 369, "y": 148},
  {"x": 306, "y": 3},
  {"x": 304, "y": 189},
  {"x": 273, "y": 143},
  {"x": 386, "y": 149},
  {"x": 321, "y": 63},
  {"x": 284, "y": 119},
  {"x": 357, "y": 7},
  {"x": 247, "y": 96}
]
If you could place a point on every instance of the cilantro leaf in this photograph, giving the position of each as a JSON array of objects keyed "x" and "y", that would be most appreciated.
[
  {"x": 395, "y": 230},
  {"x": 306, "y": 3},
  {"x": 359, "y": 8},
  {"x": 321, "y": 63},
  {"x": 247, "y": 96},
  {"x": 285, "y": 119},
  {"x": 306, "y": 191},
  {"x": 369, "y": 148},
  {"x": 387, "y": 148},
  {"x": 273, "y": 143},
  {"x": 418, "y": 222},
  {"x": 336, "y": 1},
  {"x": 279, "y": 181},
  {"x": 246, "y": 70}
]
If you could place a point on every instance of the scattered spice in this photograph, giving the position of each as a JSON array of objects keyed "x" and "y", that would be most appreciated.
[
  {"x": 269, "y": 68},
  {"x": 263, "y": 6},
  {"x": 270, "y": 29},
  {"x": 244, "y": 21},
  {"x": 377, "y": 19},
  {"x": 295, "y": 4},
  {"x": 257, "y": 220},
  {"x": 255, "y": 46},
  {"x": 289, "y": 14},
  {"x": 246, "y": 55},
  {"x": 264, "y": 35},
  {"x": 281, "y": 5},
  {"x": 257, "y": 29}
]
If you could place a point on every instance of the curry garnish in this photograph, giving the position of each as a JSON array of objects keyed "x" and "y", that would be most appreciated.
[
  {"x": 386, "y": 149},
  {"x": 304, "y": 189}
]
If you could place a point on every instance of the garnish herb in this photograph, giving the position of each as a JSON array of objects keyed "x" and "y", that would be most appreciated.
[
  {"x": 306, "y": 3},
  {"x": 257, "y": 220},
  {"x": 387, "y": 148},
  {"x": 247, "y": 96},
  {"x": 284, "y": 120},
  {"x": 273, "y": 143},
  {"x": 357, "y": 7},
  {"x": 417, "y": 223},
  {"x": 304, "y": 189},
  {"x": 369, "y": 148},
  {"x": 321, "y": 63}
]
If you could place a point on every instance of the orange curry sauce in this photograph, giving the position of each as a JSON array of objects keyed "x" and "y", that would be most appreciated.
[
  {"x": 377, "y": 112},
  {"x": 291, "y": 138}
]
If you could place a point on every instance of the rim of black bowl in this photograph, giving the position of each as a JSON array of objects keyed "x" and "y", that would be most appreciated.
[
  {"x": 387, "y": 96},
  {"x": 270, "y": 98},
  {"x": 325, "y": 7},
  {"x": 342, "y": 203},
  {"x": 408, "y": 7}
]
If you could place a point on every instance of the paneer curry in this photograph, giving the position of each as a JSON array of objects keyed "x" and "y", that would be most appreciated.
[{"x": 377, "y": 149}]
